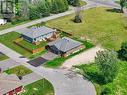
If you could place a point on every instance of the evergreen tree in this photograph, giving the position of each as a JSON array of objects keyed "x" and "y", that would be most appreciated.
[
  {"x": 107, "y": 63},
  {"x": 59, "y": 6}
]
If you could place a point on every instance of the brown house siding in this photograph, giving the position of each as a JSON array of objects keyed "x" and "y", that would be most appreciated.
[{"x": 73, "y": 50}]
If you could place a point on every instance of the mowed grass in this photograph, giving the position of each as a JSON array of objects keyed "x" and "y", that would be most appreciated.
[
  {"x": 41, "y": 87},
  {"x": 100, "y": 24},
  {"x": 19, "y": 71},
  {"x": 3, "y": 57},
  {"x": 117, "y": 87},
  {"x": 8, "y": 40}
]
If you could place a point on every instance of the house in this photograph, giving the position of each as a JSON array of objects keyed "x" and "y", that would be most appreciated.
[
  {"x": 36, "y": 34},
  {"x": 3, "y": 21},
  {"x": 10, "y": 84},
  {"x": 65, "y": 46}
]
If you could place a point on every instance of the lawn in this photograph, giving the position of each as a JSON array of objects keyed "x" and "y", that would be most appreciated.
[
  {"x": 8, "y": 40},
  {"x": 41, "y": 87},
  {"x": 102, "y": 25},
  {"x": 9, "y": 25},
  {"x": 31, "y": 46},
  {"x": 19, "y": 71},
  {"x": 3, "y": 57},
  {"x": 57, "y": 62},
  {"x": 117, "y": 87}
]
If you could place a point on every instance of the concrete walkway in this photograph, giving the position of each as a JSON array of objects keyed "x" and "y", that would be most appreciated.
[
  {"x": 84, "y": 58},
  {"x": 64, "y": 82}
]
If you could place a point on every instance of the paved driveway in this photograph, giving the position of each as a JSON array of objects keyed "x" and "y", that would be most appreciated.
[
  {"x": 37, "y": 62},
  {"x": 49, "y": 56},
  {"x": 9, "y": 63},
  {"x": 83, "y": 58}
]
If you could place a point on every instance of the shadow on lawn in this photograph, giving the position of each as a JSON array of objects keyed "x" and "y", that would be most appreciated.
[
  {"x": 95, "y": 77},
  {"x": 114, "y": 10}
]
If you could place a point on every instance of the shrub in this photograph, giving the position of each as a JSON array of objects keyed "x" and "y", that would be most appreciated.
[{"x": 106, "y": 91}]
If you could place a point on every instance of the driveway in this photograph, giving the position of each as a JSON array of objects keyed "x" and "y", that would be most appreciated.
[
  {"x": 84, "y": 58},
  {"x": 37, "y": 62},
  {"x": 8, "y": 63},
  {"x": 30, "y": 78},
  {"x": 49, "y": 56}
]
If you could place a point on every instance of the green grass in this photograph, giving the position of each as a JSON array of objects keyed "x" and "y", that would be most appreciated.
[
  {"x": 56, "y": 63},
  {"x": 19, "y": 71},
  {"x": 100, "y": 24},
  {"x": 9, "y": 25},
  {"x": 31, "y": 46},
  {"x": 117, "y": 87},
  {"x": 3, "y": 57},
  {"x": 8, "y": 40},
  {"x": 82, "y": 3},
  {"x": 41, "y": 87}
]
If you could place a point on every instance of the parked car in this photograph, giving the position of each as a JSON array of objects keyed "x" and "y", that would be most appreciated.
[{"x": 3, "y": 21}]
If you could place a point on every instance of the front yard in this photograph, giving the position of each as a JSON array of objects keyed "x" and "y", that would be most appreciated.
[
  {"x": 41, "y": 87},
  {"x": 117, "y": 87},
  {"x": 19, "y": 71}
]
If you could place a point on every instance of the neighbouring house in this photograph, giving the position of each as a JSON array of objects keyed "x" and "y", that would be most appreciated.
[
  {"x": 65, "y": 46},
  {"x": 10, "y": 84},
  {"x": 36, "y": 34},
  {"x": 3, "y": 21}
]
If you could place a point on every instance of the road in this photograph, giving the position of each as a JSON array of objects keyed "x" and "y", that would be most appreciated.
[
  {"x": 90, "y": 4},
  {"x": 64, "y": 82}
]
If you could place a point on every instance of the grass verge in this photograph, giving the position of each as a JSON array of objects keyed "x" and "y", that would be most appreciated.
[{"x": 19, "y": 71}]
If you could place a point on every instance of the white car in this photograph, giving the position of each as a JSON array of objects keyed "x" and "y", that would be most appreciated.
[{"x": 3, "y": 21}]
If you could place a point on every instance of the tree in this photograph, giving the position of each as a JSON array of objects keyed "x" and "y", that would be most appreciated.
[
  {"x": 122, "y": 53},
  {"x": 43, "y": 8},
  {"x": 74, "y": 3},
  {"x": 33, "y": 12},
  {"x": 78, "y": 18},
  {"x": 59, "y": 6},
  {"x": 107, "y": 63},
  {"x": 122, "y": 4}
]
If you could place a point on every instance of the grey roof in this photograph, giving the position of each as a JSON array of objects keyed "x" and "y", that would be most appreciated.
[
  {"x": 8, "y": 83},
  {"x": 65, "y": 44},
  {"x": 35, "y": 32}
]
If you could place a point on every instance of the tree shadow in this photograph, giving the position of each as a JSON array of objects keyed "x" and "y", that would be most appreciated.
[
  {"x": 95, "y": 77},
  {"x": 114, "y": 10}
]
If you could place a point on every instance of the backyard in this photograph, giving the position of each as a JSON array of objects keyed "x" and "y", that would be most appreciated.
[
  {"x": 19, "y": 71},
  {"x": 41, "y": 87},
  {"x": 9, "y": 38},
  {"x": 103, "y": 25},
  {"x": 117, "y": 87}
]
